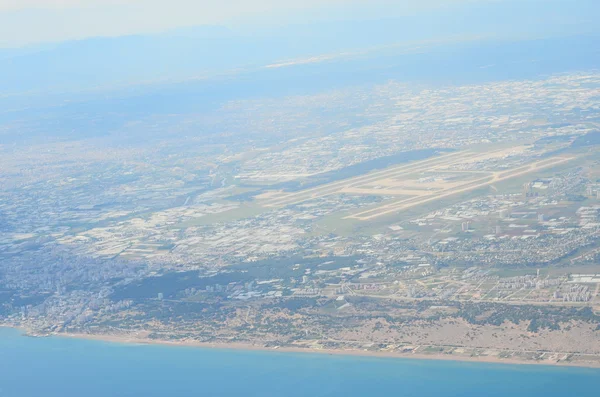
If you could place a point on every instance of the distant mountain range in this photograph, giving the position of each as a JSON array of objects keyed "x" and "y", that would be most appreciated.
[{"x": 203, "y": 51}]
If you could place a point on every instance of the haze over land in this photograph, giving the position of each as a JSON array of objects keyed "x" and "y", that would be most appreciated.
[{"x": 398, "y": 184}]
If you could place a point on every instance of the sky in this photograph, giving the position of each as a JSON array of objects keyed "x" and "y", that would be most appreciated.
[{"x": 25, "y": 22}]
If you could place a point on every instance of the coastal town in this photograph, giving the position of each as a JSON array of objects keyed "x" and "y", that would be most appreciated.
[{"x": 400, "y": 220}]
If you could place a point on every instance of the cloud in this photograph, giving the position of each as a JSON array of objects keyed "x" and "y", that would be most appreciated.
[
  {"x": 30, "y": 21},
  {"x": 231, "y": 6},
  {"x": 12, "y": 5}
]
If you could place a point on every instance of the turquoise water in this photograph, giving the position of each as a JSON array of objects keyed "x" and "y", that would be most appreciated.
[{"x": 48, "y": 367}]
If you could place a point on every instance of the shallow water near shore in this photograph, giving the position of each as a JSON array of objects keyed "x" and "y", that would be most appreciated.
[{"x": 89, "y": 368}]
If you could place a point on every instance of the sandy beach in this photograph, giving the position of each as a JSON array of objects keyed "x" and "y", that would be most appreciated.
[
  {"x": 128, "y": 339},
  {"x": 346, "y": 352}
]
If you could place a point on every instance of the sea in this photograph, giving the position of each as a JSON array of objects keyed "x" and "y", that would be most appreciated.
[{"x": 67, "y": 367}]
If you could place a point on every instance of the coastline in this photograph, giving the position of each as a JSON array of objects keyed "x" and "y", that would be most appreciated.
[
  {"x": 126, "y": 339},
  {"x": 337, "y": 352}
]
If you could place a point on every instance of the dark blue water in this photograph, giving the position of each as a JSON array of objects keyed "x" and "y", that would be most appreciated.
[{"x": 80, "y": 368}]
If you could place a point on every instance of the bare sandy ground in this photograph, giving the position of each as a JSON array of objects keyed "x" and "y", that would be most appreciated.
[
  {"x": 142, "y": 338},
  {"x": 348, "y": 352}
]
